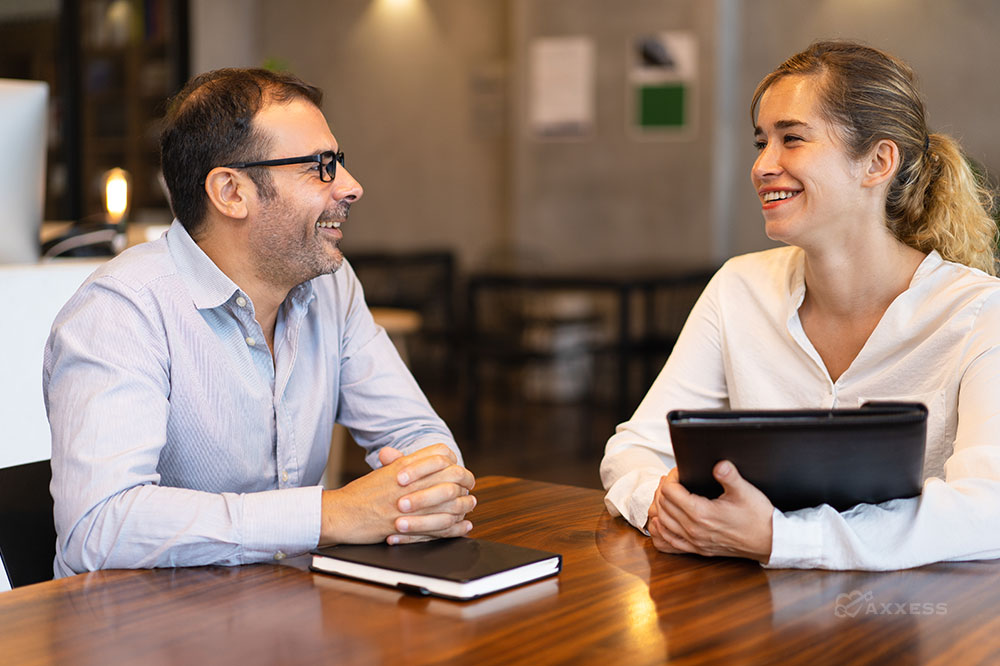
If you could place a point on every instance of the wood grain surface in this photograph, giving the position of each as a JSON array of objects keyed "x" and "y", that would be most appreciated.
[{"x": 617, "y": 601}]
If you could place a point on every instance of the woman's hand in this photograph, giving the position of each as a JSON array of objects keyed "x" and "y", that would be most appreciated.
[{"x": 736, "y": 524}]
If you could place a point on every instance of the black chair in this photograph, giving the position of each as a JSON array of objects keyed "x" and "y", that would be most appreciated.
[
  {"x": 27, "y": 529},
  {"x": 425, "y": 282}
]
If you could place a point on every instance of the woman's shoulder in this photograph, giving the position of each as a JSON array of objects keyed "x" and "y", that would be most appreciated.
[
  {"x": 944, "y": 275},
  {"x": 779, "y": 266},
  {"x": 779, "y": 259},
  {"x": 953, "y": 286}
]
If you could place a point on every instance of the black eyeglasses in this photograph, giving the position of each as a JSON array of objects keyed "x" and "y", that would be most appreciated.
[{"x": 326, "y": 163}]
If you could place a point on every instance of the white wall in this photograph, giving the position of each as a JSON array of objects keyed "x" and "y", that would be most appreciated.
[
  {"x": 36, "y": 292},
  {"x": 224, "y": 33},
  {"x": 411, "y": 95},
  {"x": 419, "y": 95},
  {"x": 952, "y": 46},
  {"x": 613, "y": 198}
]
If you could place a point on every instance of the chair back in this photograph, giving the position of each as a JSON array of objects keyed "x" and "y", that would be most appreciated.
[{"x": 27, "y": 529}]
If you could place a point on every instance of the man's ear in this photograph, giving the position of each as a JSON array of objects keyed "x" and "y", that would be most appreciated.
[
  {"x": 227, "y": 190},
  {"x": 881, "y": 164}
]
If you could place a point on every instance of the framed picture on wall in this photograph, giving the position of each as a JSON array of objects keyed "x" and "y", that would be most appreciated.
[
  {"x": 661, "y": 85},
  {"x": 562, "y": 90}
]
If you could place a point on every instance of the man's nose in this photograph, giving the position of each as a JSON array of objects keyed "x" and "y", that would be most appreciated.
[{"x": 345, "y": 187}]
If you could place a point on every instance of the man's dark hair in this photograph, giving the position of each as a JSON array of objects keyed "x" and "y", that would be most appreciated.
[{"x": 210, "y": 123}]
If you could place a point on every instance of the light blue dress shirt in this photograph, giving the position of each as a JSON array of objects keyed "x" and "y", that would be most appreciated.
[{"x": 178, "y": 441}]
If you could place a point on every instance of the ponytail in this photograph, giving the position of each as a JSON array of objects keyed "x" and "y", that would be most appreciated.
[{"x": 940, "y": 203}]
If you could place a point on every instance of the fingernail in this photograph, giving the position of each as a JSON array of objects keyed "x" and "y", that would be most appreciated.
[
  {"x": 404, "y": 505},
  {"x": 393, "y": 540},
  {"x": 468, "y": 527},
  {"x": 403, "y": 478},
  {"x": 724, "y": 468},
  {"x": 402, "y": 525}
]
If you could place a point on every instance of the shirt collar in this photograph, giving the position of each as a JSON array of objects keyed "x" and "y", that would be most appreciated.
[
  {"x": 208, "y": 285},
  {"x": 927, "y": 266},
  {"x": 797, "y": 280}
]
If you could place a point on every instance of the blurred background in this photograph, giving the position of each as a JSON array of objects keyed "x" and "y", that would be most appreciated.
[{"x": 548, "y": 183}]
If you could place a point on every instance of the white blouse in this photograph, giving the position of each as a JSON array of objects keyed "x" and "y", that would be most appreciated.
[{"x": 743, "y": 347}]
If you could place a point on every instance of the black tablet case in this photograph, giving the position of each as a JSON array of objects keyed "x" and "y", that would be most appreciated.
[{"x": 804, "y": 458}]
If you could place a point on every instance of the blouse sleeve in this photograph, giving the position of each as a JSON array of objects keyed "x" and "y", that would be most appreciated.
[{"x": 640, "y": 453}]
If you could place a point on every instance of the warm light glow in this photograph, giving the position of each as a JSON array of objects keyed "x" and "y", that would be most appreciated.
[
  {"x": 116, "y": 194},
  {"x": 398, "y": 8}
]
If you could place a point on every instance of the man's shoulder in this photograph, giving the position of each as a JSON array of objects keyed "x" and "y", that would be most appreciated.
[
  {"x": 138, "y": 268},
  {"x": 142, "y": 275}
]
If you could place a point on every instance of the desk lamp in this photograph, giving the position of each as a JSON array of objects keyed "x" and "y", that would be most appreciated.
[
  {"x": 116, "y": 204},
  {"x": 102, "y": 234}
]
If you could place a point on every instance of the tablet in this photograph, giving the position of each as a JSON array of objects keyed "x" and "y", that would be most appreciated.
[{"x": 804, "y": 458}]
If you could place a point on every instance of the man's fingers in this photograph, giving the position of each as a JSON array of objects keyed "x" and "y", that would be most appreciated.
[
  {"x": 434, "y": 450},
  {"x": 432, "y": 470},
  {"x": 388, "y": 454},
  {"x": 443, "y": 497},
  {"x": 458, "y": 529},
  {"x": 432, "y": 524},
  {"x": 400, "y": 539}
]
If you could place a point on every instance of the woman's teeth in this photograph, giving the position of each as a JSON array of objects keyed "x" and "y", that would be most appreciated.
[{"x": 777, "y": 196}]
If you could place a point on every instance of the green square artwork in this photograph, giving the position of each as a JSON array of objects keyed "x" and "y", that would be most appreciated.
[{"x": 661, "y": 105}]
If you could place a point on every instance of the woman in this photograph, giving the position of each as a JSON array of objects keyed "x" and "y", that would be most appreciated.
[{"x": 884, "y": 292}]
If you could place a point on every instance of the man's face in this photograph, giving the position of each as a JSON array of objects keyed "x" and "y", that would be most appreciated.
[{"x": 295, "y": 235}]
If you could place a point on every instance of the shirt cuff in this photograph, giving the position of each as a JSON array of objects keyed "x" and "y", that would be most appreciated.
[
  {"x": 796, "y": 541},
  {"x": 281, "y": 523},
  {"x": 632, "y": 501}
]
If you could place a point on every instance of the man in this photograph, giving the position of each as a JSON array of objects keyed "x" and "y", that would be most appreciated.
[{"x": 192, "y": 383}]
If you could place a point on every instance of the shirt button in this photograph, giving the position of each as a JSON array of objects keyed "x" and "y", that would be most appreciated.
[
  {"x": 240, "y": 301},
  {"x": 251, "y": 342},
  {"x": 284, "y": 476},
  {"x": 279, "y": 555}
]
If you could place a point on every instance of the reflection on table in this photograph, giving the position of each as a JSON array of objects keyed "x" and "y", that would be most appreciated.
[{"x": 617, "y": 600}]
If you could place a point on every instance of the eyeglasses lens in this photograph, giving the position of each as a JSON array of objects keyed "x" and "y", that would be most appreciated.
[{"x": 329, "y": 165}]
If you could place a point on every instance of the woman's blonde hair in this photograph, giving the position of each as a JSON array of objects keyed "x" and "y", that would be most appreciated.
[{"x": 936, "y": 201}]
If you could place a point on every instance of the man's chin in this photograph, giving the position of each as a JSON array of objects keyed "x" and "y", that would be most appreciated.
[{"x": 336, "y": 261}]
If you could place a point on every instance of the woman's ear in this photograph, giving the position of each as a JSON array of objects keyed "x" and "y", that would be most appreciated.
[
  {"x": 227, "y": 192},
  {"x": 881, "y": 164}
]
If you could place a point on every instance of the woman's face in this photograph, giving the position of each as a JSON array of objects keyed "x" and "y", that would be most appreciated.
[{"x": 810, "y": 190}]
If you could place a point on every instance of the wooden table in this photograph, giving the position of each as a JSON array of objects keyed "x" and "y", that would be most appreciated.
[{"x": 617, "y": 601}]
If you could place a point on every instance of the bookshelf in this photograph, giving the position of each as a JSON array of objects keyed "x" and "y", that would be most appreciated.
[
  {"x": 132, "y": 58},
  {"x": 111, "y": 65}
]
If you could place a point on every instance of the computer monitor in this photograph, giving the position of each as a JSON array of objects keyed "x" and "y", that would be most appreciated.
[
  {"x": 23, "y": 113},
  {"x": 4, "y": 578}
]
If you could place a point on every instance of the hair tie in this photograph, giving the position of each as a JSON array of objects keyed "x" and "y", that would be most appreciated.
[{"x": 927, "y": 143}]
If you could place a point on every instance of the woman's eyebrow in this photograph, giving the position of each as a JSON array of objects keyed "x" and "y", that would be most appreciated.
[{"x": 784, "y": 124}]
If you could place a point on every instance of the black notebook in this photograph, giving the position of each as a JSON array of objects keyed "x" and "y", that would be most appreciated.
[
  {"x": 804, "y": 458},
  {"x": 459, "y": 568}
]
